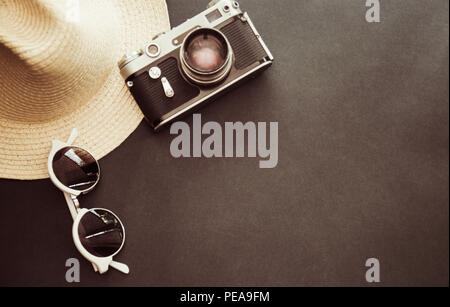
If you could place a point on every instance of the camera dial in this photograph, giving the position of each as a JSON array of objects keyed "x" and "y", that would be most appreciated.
[
  {"x": 129, "y": 57},
  {"x": 153, "y": 50}
]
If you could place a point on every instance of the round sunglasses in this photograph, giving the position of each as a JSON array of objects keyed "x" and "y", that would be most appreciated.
[{"x": 98, "y": 233}]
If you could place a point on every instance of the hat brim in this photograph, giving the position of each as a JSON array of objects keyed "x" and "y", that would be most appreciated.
[{"x": 104, "y": 121}]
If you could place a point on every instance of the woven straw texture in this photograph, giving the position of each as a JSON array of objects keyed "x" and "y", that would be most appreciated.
[{"x": 59, "y": 71}]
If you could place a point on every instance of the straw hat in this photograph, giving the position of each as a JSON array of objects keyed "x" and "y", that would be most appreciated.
[{"x": 59, "y": 71}]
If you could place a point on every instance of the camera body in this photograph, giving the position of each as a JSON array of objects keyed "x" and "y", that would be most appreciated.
[{"x": 195, "y": 62}]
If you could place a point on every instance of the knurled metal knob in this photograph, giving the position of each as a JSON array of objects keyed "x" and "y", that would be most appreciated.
[{"x": 129, "y": 57}]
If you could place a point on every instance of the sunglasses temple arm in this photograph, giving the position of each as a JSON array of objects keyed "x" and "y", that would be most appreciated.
[
  {"x": 122, "y": 267},
  {"x": 71, "y": 204},
  {"x": 73, "y": 136}
]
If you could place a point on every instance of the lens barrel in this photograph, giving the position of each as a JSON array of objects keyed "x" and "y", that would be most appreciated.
[{"x": 206, "y": 56}]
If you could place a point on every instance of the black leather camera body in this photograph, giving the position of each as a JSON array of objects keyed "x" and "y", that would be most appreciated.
[{"x": 207, "y": 55}]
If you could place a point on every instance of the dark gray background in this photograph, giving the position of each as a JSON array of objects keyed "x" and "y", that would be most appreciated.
[{"x": 363, "y": 167}]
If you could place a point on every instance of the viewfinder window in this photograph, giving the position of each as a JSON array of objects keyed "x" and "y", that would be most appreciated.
[{"x": 213, "y": 16}]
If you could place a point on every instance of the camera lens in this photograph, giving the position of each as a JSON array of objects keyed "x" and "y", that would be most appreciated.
[
  {"x": 206, "y": 56},
  {"x": 205, "y": 52}
]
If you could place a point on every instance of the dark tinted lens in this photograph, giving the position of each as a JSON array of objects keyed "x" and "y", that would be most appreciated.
[
  {"x": 76, "y": 168},
  {"x": 205, "y": 50},
  {"x": 101, "y": 233}
]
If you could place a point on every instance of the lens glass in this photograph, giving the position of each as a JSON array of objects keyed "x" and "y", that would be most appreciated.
[
  {"x": 205, "y": 50},
  {"x": 101, "y": 233},
  {"x": 76, "y": 168}
]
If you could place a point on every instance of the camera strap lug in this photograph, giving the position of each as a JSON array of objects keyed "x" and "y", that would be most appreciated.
[{"x": 243, "y": 18}]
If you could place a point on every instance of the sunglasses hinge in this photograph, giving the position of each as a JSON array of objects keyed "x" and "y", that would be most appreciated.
[{"x": 75, "y": 202}]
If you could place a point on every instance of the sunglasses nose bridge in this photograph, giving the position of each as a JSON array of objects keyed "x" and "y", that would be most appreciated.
[{"x": 73, "y": 204}]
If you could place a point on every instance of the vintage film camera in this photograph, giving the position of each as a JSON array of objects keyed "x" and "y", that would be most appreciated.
[{"x": 195, "y": 62}]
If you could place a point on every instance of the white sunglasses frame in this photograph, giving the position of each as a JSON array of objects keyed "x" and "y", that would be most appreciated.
[{"x": 100, "y": 264}]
